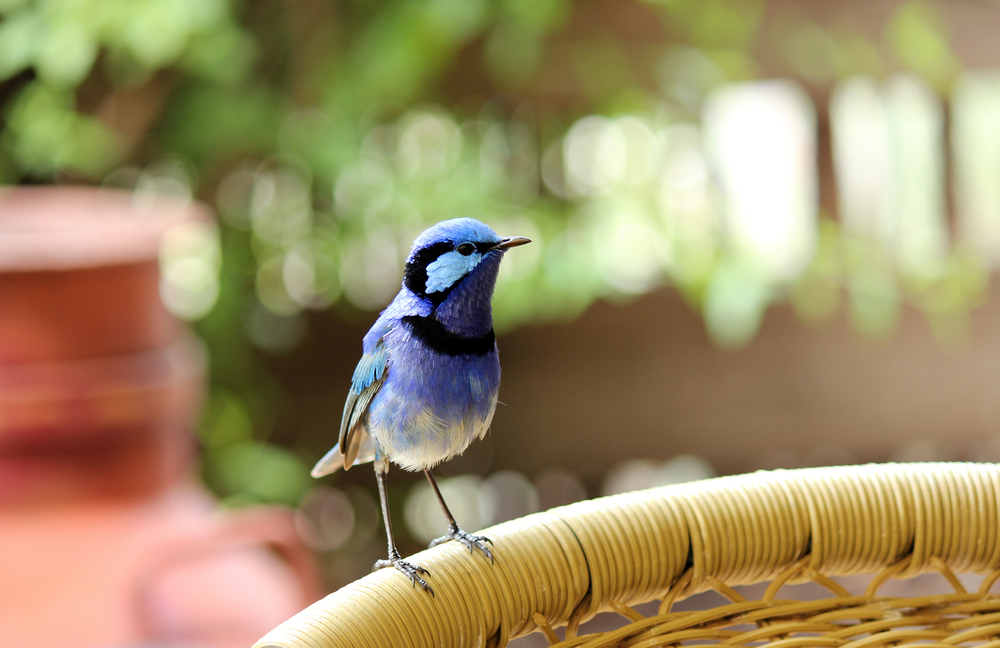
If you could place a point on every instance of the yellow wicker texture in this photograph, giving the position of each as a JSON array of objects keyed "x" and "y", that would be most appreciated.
[{"x": 563, "y": 566}]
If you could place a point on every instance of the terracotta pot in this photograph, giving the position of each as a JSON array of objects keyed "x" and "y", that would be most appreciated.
[
  {"x": 67, "y": 402},
  {"x": 127, "y": 463},
  {"x": 116, "y": 426},
  {"x": 99, "y": 384},
  {"x": 163, "y": 570},
  {"x": 106, "y": 540},
  {"x": 79, "y": 276}
]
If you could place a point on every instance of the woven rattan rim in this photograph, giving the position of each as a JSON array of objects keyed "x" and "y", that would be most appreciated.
[{"x": 562, "y": 566}]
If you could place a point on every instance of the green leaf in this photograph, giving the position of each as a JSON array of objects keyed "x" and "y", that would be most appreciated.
[
  {"x": 264, "y": 471},
  {"x": 19, "y": 36},
  {"x": 66, "y": 52}
]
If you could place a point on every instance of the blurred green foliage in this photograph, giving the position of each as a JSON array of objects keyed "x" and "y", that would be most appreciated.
[{"x": 326, "y": 135}]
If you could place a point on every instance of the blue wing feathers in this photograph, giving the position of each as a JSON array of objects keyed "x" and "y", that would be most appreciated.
[
  {"x": 370, "y": 368},
  {"x": 354, "y": 443}
]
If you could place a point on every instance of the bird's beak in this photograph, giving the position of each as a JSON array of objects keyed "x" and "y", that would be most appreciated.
[{"x": 511, "y": 241}]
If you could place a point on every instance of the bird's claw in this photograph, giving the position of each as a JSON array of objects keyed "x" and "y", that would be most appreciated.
[
  {"x": 472, "y": 542},
  {"x": 410, "y": 570}
]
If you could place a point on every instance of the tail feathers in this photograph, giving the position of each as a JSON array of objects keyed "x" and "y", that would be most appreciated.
[{"x": 334, "y": 460}]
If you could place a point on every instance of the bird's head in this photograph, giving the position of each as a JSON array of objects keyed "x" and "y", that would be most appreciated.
[{"x": 445, "y": 254}]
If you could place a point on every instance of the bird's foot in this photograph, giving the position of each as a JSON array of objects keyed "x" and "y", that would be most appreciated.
[
  {"x": 410, "y": 570},
  {"x": 471, "y": 541}
]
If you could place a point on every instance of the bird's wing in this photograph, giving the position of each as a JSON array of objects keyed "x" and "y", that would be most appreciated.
[
  {"x": 354, "y": 444},
  {"x": 368, "y": 378}
]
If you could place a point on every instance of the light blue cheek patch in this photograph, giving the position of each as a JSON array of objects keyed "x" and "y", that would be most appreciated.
[{"x": 449, "y": 268}]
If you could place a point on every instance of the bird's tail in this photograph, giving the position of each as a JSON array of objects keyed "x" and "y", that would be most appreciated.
[{"x": 334, "y": 460}]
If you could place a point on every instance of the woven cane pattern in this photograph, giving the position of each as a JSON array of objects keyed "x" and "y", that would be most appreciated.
[
  {"x": 864, "y": 621},
  {"x": 563, "y": 566}
]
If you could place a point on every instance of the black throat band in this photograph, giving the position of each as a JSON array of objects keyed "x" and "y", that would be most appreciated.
[{"x": 436, "y": 337}]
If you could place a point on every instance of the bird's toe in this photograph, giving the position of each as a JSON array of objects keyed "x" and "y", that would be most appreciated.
[
  {"x": 411, "y": 571},
  {"x": 472, "y": 542}
]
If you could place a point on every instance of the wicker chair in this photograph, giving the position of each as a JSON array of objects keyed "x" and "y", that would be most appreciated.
[{"x": 563, "y": 566}]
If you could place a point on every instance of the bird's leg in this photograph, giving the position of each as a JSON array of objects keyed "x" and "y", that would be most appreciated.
[
  {"x": 454, "y": 533},
  {"x": 411, "y": 571}
]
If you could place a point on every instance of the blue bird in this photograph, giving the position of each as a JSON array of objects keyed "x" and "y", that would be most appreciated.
[{"x": 427, "y": 384}]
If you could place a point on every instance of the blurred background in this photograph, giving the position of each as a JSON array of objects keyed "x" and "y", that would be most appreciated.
[{"x": 764, "y": 236}]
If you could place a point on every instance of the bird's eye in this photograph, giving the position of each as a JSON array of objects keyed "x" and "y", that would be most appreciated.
[{"x": 466, "y": 249}]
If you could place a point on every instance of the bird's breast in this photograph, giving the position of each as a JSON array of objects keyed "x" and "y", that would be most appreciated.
[
  {"x": 446, "y": 384},
  {"x": 433, "y": 404}
]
